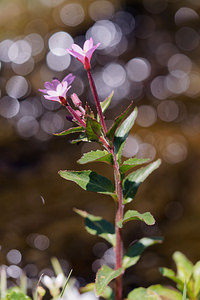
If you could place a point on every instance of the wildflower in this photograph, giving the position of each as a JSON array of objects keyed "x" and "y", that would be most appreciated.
[
  {"x": 84, "y": 55},
  {"x": 57, "y": 90},
  {"x": 72, "y": 293},
  {"x": 54, "y": 283}
]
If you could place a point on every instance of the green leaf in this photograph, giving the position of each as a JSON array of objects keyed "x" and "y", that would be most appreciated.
[
  {"x": 104, "y": 277},
  {"x": 89, "y": 181},
  {"x": 93, "y": 129},
  {"x": 82, "y": 138},
  {"x": 132, "y": 182},
  {"x": 70, "y": 130},
  {"x": 122, "y": 133},
  {"x": 96, "y": 225},
  {"x": 184, "y": 266},
  {"x": 143, "y": 294},
  {"x": 171, "y": 274},
  {"x": 131, "y": 163},
  {"x": 98, "y": 155},
  {"x": 185, "y": 291},
  {"x": 65, "y": 285},
  {"x": 196, "y": 277},
  {"x": 118, "y": 120},
  {"x": 17, "y": 296},
  {"x": 165, "y": 293},
  {"x": 135, "y": 215},
  {"x": 134, "y": 252},
  {"x": 105, "y": 104}
]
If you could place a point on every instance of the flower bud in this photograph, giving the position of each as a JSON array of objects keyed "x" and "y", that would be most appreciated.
[
  {"x": 77, "y": 102},
  {"x": 79, "y": 113}
]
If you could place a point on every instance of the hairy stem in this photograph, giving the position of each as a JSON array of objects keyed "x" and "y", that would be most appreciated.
[
  {"x": 97, "y": 102},
  {"x": 118, "y": 231}
]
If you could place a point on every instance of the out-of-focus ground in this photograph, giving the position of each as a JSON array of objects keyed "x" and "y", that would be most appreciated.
[{"x": 149, "y": 53}]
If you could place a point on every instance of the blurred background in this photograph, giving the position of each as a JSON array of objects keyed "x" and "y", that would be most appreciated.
[{"x": 149, "y": 53}]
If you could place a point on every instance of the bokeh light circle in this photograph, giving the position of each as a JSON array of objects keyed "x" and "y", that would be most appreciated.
[
  {"x": 138, "y": 69},
  {"x": 59, "y": 42},
  {"x": 17, "y": 86},
  {"x": 147, "y": 116},
  {"x": 9, "y": 107},
  {"x": 114, "y": 75},
  {"x": 185, "y": 15},
  {"x": 20, "y": 51},
  {"x": 58, "y": 63},
  {"x": 72, "y": 14}
]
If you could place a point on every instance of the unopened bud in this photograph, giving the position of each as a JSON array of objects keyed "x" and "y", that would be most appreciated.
[
  {"x": 79, "y": 113},
  {"x": 77, "y": 102},
  {"x": 41, "y": 291}
]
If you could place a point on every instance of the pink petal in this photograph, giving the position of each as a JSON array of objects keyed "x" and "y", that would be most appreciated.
[
  {"x": 61, "y": 87},
  {"x": 55, "y": 83},
  {"x": 88, "y": 44},
  {"x": 52, "y": 93},
  {"x": 48, "y": 85},
  {"x": 52, "y": 98},
  {"x": 77, "y": 48},
  {"x": 43, "y": 91},
  {"x": 69, "y": 78},
  {"x": 90, "y": 52},
  {"x": 77, "y": 55}
]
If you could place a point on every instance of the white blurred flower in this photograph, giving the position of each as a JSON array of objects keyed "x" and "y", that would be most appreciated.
[
  {"x": 54, "y": 283},
  {"x": 72, "y": 293}
]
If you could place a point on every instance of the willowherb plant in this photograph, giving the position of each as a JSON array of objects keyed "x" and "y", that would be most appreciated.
[{"x": 92, "y": 128}]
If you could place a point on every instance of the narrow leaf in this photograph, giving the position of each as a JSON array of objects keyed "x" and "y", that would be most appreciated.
[
  {"x": 98, "y": 155},
  {"x": 89, "y": 181},
  {"x": 122, "y": 133},
  {"x": 185, "y": 291},
  {"x": 65, "y": 285},
  {"x": 143, "y": 294},
  {"x": 184, "y": 266},
  {"x": 105, "y": 104},
  {"x": 96, "y": 225},
  {"x": 171, "y": 274},
  {"x": 135, "y": 215},
  {"x": 131, "y": 163},
  {"x": 134, "y": 252},
  {"x": 93, "y": 129},
  {"x": 118, "y": 120},
  {"x": 132, "y": 182},
  {"x": 70, "y": 130},
  {"x": 104, "y": 276},
  {"x": 165, "y": 293}
]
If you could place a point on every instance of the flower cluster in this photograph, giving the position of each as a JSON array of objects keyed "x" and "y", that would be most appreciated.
[{"x": 57, "y": 91}]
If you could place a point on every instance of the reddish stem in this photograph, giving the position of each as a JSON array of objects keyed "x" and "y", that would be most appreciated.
[
  {"x": 97, "y": 102},
  {"x": 118, "y": 187},
  {"x": 118, "y": 231}
]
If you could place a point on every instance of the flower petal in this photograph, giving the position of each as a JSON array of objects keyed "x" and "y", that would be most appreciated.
[
  {"x": 77, "y": 48},
  {"x": 79, "y": 56},
  {"x": 90, "y": 51},
  {"x": 52, "y": 98},
  {"x": 88, "y": 44},
  {"x": 69, "y": 78}
]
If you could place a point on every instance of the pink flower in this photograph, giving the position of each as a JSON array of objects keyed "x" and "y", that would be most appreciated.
[
  {"x": 57, "y": 90},
  {"x": 84, "y": 55}
]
